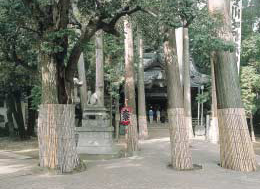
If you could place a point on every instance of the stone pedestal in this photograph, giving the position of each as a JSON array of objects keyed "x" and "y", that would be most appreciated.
[
  {"x": 95, "y": 135},
  {"x": 200, "y": 130}
]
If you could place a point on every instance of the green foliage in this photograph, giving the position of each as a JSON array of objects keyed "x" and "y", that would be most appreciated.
[
  {"x": 250, "y": 87},
  {"x": 18, "y": 52},
  {"x": 203, "y": 98},
  {"x": 250, "y": 56},
  {"x": 36, "y": 95},
  {"x": 251, "y": 50},
  {"x": 114, "y": 67},
  {"x": 203, "y": 39}
]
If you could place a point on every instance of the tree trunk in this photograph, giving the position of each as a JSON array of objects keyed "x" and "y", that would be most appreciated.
[
  {"x": 213, "y": 131},
  {"x": 82, "y": 78},
  {"x": 100, "y": 67},
  {"x": 32, "y": 114},
  {"x": 56, "y": 124},
  {"x": 15, "y": 111},
  {"x": 132, "y": 139},
  {"x": 179, "y": 135},
  {"x": 186, "y": 82},
  {"x": 49, "y": 79},
  {"x": 252, "y": 128},
  {"x": 9, "y": 105},
  {"x": 117, "y": 118},
  {"x": 111, "y": 110},
  {"x": 180, "y": 50},
  {"x": 57, "y": 146},
  {"x": 142, "y": 120},
  {"x": 236, "y": 149},
  {"x": 18, "y": 114},
  {"x": 236, "y": 14}
]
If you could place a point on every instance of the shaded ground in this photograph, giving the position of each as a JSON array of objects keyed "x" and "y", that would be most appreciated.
[{"x": 147, "y": 170}]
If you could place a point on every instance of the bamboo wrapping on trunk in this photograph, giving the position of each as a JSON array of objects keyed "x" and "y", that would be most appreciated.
[
  {"x": 143, "y": 131},
  {"x": 181, "y": 155},
  {"x": 56, "y": 137},
  {"x": 234, "y": 139},
  {"x": 132, "y": 136}
]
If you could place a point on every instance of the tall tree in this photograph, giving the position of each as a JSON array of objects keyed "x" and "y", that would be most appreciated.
[
  {"x": 142, "y": 120},
  {"x": 213, "y": 130},
  {"x": 187, "y": 10},
  {"x": 132, "y": 135},
  {"x": 186, "y": 81},
  {"x": 180, "y": 152},
  {"x": 56, "y": 26},
  {"x": 236, "y": 150}
]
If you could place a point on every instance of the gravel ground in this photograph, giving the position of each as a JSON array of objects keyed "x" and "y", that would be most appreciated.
[{"x": 147, "y": 170}]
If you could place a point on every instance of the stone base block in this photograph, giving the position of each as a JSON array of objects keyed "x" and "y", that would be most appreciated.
[
  {"x": 95, "y": 140},
  {"x": 200, "y": 131}
]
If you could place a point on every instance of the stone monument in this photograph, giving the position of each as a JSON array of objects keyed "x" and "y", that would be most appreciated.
[{"x": 95, "y": 135}]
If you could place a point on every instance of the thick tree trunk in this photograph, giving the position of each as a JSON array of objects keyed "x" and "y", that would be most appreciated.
[
  {"x": 186, "y": 81},
  {"x": 142, "y": 120},
  {"x": 100, "y": 67},
  {"x": 179, "y": 135},
  {"x": 132, "y": 138},
  {"x": 213, "y": 131},
  {"x": 82, "y": 78},
  {"x": 236, "y": 149},
  {"x": 56, "y": 124},
  {"x": 49, "y": 79},
  {"x": 56, "y": 134}
]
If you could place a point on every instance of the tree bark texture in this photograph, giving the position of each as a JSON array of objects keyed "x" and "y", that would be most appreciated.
[
  {"x": 213, "y": 130},
  {"x": 236, "y": 149},
  {"x": 49, "y": 79},
  {"x": 132, "y": 138},
  {"x": 179, "y": 135},
  {"x": 236, "y": 14},
  {"x": 100, "y": 67},
  {"x": 82, "y": 78},
  {"x": 142, "y": 120},
  {"x": 186, "y": 81},
  {"x": 56, "y": 136}
]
